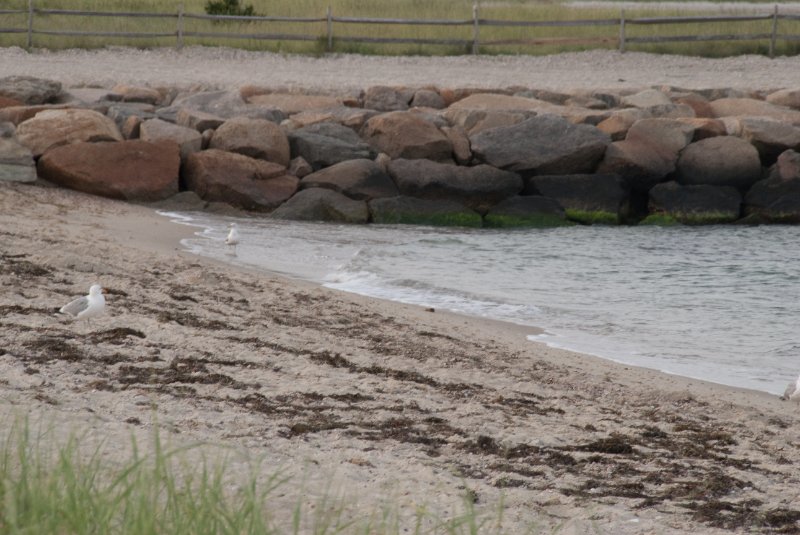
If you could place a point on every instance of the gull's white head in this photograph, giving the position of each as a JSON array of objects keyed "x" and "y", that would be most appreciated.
[
  {"x": 95, "y": 290},
  {"x": 233, "y": 225}
]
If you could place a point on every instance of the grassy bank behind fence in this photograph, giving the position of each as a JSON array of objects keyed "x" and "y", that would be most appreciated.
[
  {"x": 55, "y": 487},
  {"x": 494, "y": 39}
]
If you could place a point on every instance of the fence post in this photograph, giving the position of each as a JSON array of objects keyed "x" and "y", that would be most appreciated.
[
  {"x": 774, "y": 36},
  {"x": 330, "y": 29},
  {"x": 180, "y": 26},
  {"x": 476, "y": 29},
  {"x": 622, "y": 31},
  {"x": 30, "y": 24}
]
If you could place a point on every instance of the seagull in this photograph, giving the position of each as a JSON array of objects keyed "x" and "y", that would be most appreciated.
[
  {"x": 88, "y": 306},
  {"x": 233, "y": 237},
  {"x": 792, "y": 392}
]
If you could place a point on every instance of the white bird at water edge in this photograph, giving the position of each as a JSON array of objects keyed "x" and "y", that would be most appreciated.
[
  {"x": 792, "y": 392},
  {"x": 88, "y": 306},
  {"x": 233, "y": 237}
]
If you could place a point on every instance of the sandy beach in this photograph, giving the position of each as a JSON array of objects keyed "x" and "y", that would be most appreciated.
[{"x": 372, "y": 400}]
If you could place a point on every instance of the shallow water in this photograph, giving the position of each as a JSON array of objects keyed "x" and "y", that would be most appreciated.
[{"x": 717, "y": 303}]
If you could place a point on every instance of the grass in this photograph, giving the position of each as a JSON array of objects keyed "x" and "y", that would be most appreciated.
[
  {"x": 593, "y": 217},
  {"x": 412, "y": 9},
  {"x": 57, "y": 487}
]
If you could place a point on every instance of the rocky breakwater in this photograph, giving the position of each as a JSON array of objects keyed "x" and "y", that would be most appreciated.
[{"x": 513, "y": 157}]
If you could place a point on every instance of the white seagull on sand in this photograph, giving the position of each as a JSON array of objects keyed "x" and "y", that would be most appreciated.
[
  {"x": 88, "y": 306},
  {"x": 233, "y": 237},
  {"x": 792, "y": 392}
]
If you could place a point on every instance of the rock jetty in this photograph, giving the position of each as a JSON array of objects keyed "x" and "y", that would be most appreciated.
[{"x": 438, "y": 156}]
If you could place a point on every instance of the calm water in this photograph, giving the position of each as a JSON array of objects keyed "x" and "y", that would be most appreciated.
[{"x": 718, "y": 303}]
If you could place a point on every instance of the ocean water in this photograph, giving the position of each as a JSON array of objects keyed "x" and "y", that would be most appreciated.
[{"x": 719, "y": 303}]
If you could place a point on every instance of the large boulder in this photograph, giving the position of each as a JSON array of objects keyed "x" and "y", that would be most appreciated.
[
  {"x": 477, "y": 187},
  {"x": 238, "y": 180},
  {"x": 322, "y": 204},
  {"x": 16, "y": 161},
  {"x": 774, "y": 200},
  {"x": 600, "y": 198},
  {"x": 694, "y": 205},
  {"x": 739, "y": 107},
  {"x": 257, "y": 138},
  {"x": 196, "y": 119},
  {"x": 289, "y": 104},
  {"x": 131, "y": 93},
  {"x": 427, "y": 98},
  {"x": 406, "y": 135},
  {"x": 545, "y": 144},
  {"x": 769, "y": 136},
  {"x": 351, "y": 117},
  {"x": 414, "y": 211},
  {"x": 29, "y": 90},
  {"x": 220, "y": 104},
  {"x": 358, "y": 179},
  {"x": 474, "y": 121},
  {"x": 528, "y": 211},
  {"x": 155, "y": 130},
  {"x": 326, "y": 144},
  {"x": 648, "y": 153},
  {"x": 789, "y": 98},
  {"x": 131, "y": 170},
  {"x": 51, "y": 128},
  {"x": 648, "y": 98},
  {"x": 719, "y": 161},
  {"x": 787, "y": 166},
  {"x": 383, "y": 98}
]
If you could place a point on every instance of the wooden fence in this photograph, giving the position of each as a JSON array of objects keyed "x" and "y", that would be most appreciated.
[{"x": 475, "y": 23}]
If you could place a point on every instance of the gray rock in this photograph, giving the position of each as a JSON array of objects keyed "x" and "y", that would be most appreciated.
[
  {"x": 406, "y": 135},
  {"x": 600, "y": 198},
  {"x": 120, "y": 112},
  {"x": 528, "y": 211},
  {"x": 696, "y": 204},
  {"x": 326, "y": 144},
  {"x": 358, "y": 179},
  {"x": 199, "y": 120},
  {"x": 427, "y": 98},
  {"x": 646, "y": 99},
  {"x": 545, "y": 144},
  {"x": 322, "y": 204},
  {"x": 384, "y": 98},
  {"x": 774, "y": 200},
  {"x": 223, "y": 104},
  {"x": 188, "y": 139},
  {"x": 16, "y": 161},
  {"x": 29, "y": 89},
  {"x": 257, "y": 138},
  {"x": 299, "y": 167},
  {"x": 476, "y": 187},
  {"x": 770, "y": 137},
  {"x": 719, "y": 161},
  {"x": 414, "y": 211}
]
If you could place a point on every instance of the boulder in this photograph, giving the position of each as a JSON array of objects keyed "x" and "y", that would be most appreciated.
[
  {"x": 122, "y": 111},
  {"x": 774, "y": 200},
  {"x": 289, "y": 104},
  {"x": 787, "y": 166},
  {"x": 414, "y": 211},
  {"x": 458, "y": 138},
  {"x": 132, "y": 127},
  {"x": 19, "y": 114},
  {"x": 351, "y": 117},
  {"x": 789, "y": 98},
  {"x": 406, "y": 135},
  {"x": 698, "y": 103},
  {"x": 132, "y": 170},
  {"x": 666, "y": 136},
  {"x": 257, "y": 138},
  {"x": 427, "y": 98},
  {"x": 769, "y": 136},
  {"x": 358, "y": 179},
  {"x": 528, "y": 211},
  {"x": 704, "y": 127},
  {"x": 188, "y": 139},
  {"x": 636, "y": 162},
  {"x": 494, "y": 102},
  {"x": 51, "y": 128},
  {"x": 219, "y": 104},
  {"x": 545, "y": 144},
  {"x": 326, "y": 144},
  {"x": 16, "y": 161},
  {"x": 474, "y": 121},
  {"x": 322, "y": 204},
  {"x": 476, "y": 187},
  {"x": 129, "y": 93},
  {"x": 238, "y": 180},
  {"x": 695, "y": 204},
  {"x": 195, "y": 119},
  {"x": 6, "y": 102},
  {"x": 299, "y": 167},
  {"x": 738, "y": 107},
  {"x": 382, "y": 98},
  {"x": 618, "y": 123},
  {"x": 89, "y": 96},
  {"x": 587, "y": 199},
  {"x": 29, "y": 89},
  {"x": 719, "y": 161},
  {"x": 646, "y": 99}
]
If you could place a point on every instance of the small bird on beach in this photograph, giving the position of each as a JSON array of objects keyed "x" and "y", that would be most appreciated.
[
  {"x": 792, "y": 392},
  {"x": 233, "y": 237},
  {"x": 86, "y": 307}
]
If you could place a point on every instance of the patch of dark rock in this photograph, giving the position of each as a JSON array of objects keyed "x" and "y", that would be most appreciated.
[
  {"x": 777, "y": 422},
  {"x": 115, "y": 291},
  {"x": 30, "y": 370},
  {"x": 117, "y": 336},
  {"x": 727, "y": 515},
  {"x": 182, "y": 297},
  {"x": 320, "y": 422},
  {"x": 504, "y": 482},
  {"x": 46, "y": 399},
  {"x": 616, "y": 444},
  {"x": 48, "y": 348},
  {"x": 189, "y": 320},
  {"x": 101, "y": 385},
  {"x": 133, "y": 420},
  {"x": 652, "y": 432},
  {"x": 526, "y": 406},
  {"x": 25, "y": 311},
  {"x": 781, "y": 520},
  {"x": 592, "y": 488},
  {"x": 14, "y": 265},
  {"x": 430, "y": 334},
  {"x": 407, "y": 431},
  {"x": 709, "y": 485}
]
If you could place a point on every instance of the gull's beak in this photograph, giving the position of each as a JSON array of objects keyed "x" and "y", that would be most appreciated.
[{"x": 104, "y": 290}]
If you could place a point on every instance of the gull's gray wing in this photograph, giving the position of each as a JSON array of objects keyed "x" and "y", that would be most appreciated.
[{"x": 75, "y": 307}]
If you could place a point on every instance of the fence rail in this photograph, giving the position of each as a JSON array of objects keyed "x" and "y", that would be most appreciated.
[{"x": 622, "y": 40}]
